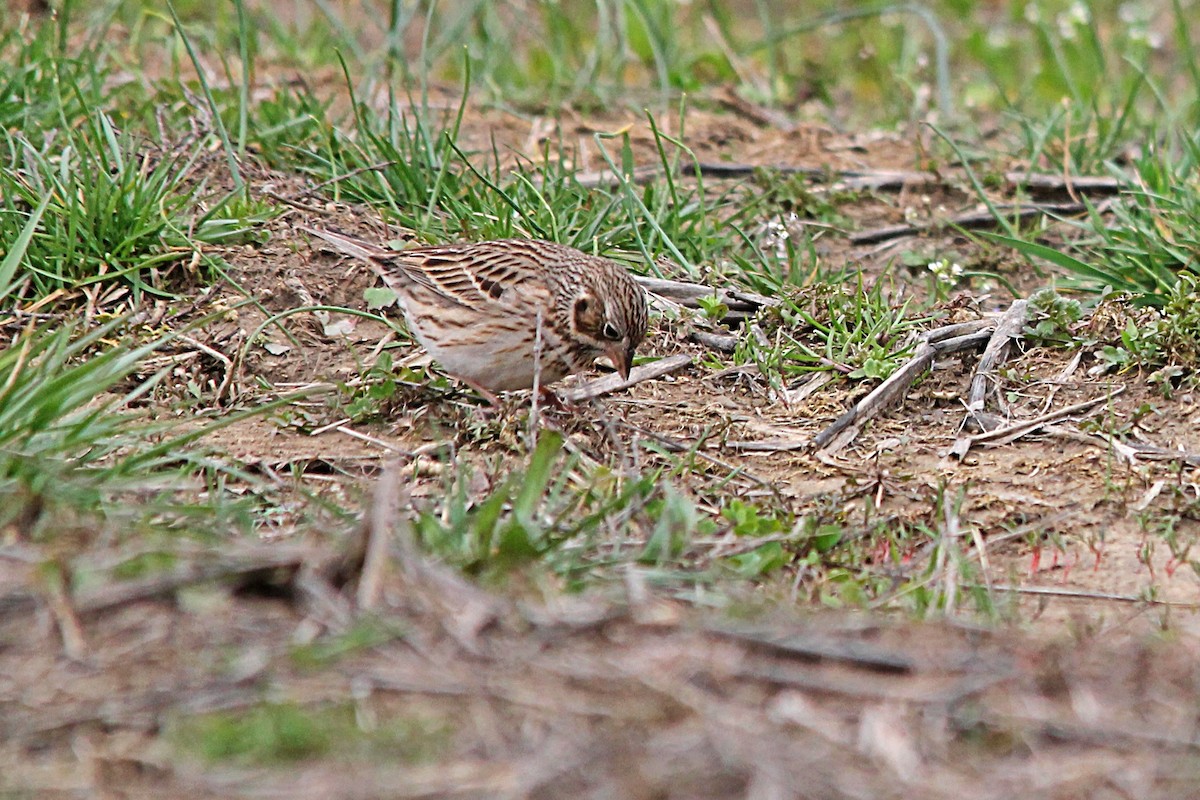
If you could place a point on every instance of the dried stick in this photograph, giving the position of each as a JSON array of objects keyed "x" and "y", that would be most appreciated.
[
  {"x": 885, "y": 394},
  {"x": 714, "y": 341},
  {"x": 615, "y": 383},
  {"x": 817, "y": 648},
  {"x": 219, "y": 356},
  {"x": 385, "y": 507},
  {"x": 1008, "y": 327},
  {"x": 877, "y": 179},
  {"x": 1047, "y": 183},
  {"x": 739, "y": 303},
  {"x": 65, "y": 616},
  {"x": 766, "y": 445},
  {"x": 1011, "y": 433},
  {"x": 1129, "y": 452},
  {"x": 970, "y": 221}
]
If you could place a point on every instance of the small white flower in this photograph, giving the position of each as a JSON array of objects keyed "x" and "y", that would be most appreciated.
[
  {"x": 1077, "y": 16},
  {"x": 1066, "y": 27},
  {"x": 776, "y": 234},
  {"x": 1033, "y": 14},
  {"x": 946, "y": 272}
]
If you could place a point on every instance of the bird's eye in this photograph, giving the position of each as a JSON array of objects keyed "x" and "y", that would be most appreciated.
[{"x": 610, "y": 332}]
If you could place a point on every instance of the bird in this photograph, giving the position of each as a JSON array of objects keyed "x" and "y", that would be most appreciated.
[{"x": 503, "y": 315}]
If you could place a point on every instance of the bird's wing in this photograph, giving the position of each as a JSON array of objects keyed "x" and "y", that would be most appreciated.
[
  {"x": 503, "y": 274},
  {"x": 479, "y": 275}
]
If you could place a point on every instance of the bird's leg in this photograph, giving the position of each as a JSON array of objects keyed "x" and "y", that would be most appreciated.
[
  {"x": 486, "y": 394},
  {"x": 549, "y": 399},
  {"x": 552, "y": 400}
]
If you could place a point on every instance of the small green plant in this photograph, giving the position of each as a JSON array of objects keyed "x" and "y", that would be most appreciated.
[
  {"x": 753, "y": 521},
  {"x": 1180, "y": 328},
  {"x": 747, "y": 519},
  {"x": 375, "y": 390},
  {"x": 761, "y": 561},
  {"x": 1139, "y": 346},
  {"x": 712, "y": 307},
  {"x": 270, "y": 734},
  {"x": 383, "y": 387},
  {"x": 855, "y": 331},
  {"x": 1053, "y": 318}
]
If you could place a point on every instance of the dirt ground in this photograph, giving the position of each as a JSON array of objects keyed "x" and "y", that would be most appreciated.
[
  {"x": 624, "y": 693},
  {"x": 1080, "y": 493}
]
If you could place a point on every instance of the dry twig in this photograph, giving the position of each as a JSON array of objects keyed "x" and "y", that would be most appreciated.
[
  {"x": 740, "y": 304},
  {"x": 615, "y": 383},
  {"x": 973, "y": 220},
  {"x": 930, "y": 345},
  {"x": 1010, "y": 433},
  {"x": 1008, "y": 328}
]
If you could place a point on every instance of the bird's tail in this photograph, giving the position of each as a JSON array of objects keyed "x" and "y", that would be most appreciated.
[{"x": 350, "y": 245}]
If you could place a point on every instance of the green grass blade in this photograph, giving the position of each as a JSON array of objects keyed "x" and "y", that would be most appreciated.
[
  {"x": 8, "y": 267},
  {"x": 1056, "y": 257}
]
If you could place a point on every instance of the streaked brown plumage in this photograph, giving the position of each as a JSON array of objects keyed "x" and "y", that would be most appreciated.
[{"x": 477, "y": 307}]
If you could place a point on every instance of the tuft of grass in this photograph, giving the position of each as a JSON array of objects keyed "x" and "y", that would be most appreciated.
[
  {"x": 853, "y": 330},
  {"x": 527, "y": 515},
  {"x": 116, "y": 212},
  {"x": 559, "y": 515},
  {"x": 1143, "y": 244},
  {"x": 275, "y": 734},
  {"x": 54, "y": 439},
  {"x": 409, "y": 164},
  {"x": 44, "y": 90},
  {"x": 1154, "y": 236},
  {"x": 72, "y": 442},
  {"x": 68, "y": 441}
]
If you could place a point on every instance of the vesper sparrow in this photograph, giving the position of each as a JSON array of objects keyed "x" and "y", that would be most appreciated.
[{"x": 480, "y": 309}]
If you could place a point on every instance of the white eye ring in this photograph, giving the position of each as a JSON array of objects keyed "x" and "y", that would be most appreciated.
[{"x": 610, "y": 332}]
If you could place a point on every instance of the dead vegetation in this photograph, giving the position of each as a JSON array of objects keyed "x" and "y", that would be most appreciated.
[{"x": 578, "y": 697}]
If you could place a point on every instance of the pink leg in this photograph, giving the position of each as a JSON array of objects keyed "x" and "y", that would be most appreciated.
[{"x": 492, "y": 399}]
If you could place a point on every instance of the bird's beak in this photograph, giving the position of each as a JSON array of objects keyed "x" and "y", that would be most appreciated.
[{"x": 622, "y": 359}]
